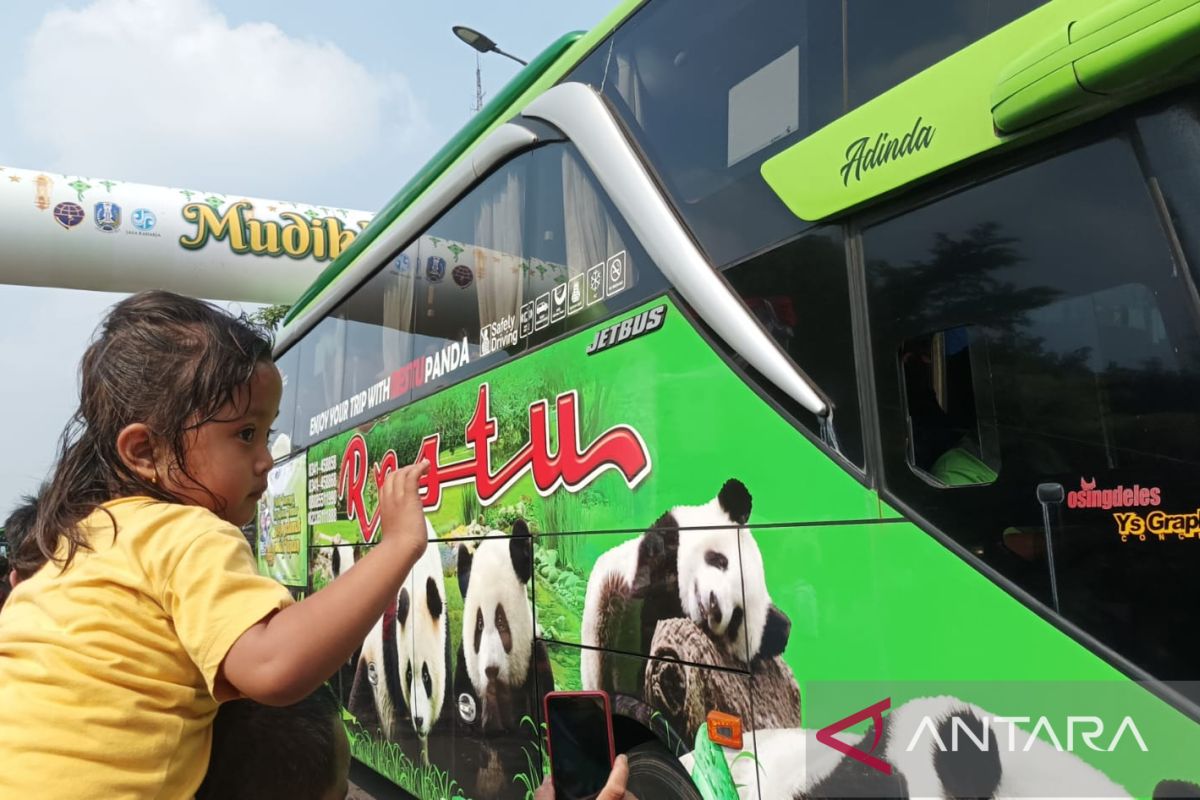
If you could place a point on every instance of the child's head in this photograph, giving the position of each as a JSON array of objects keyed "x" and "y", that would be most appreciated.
[
  {"x": 298, "y": 752},
  {"x": 176, "y": 402},
  {"x": 23, "y": 554}
]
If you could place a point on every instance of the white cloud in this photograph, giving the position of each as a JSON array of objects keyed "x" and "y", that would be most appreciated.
[{"x": 168, "y": 92}]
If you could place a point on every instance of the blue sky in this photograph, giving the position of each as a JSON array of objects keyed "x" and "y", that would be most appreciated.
[{"x": 329, "y": 103}]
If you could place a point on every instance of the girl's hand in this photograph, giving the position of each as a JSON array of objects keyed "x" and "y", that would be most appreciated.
[
  {"x": 402, "y": 517},
  {"x": 287, "y": 655}
]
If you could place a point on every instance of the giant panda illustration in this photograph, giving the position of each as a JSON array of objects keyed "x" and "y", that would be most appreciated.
[
  {"x": 400, "y": 683},
  {"x": 423, "y": 642},
  {"x": 502, "y": 669},
  {"x": 375, "y": 686},
  {"x": 703, "y": 574}
]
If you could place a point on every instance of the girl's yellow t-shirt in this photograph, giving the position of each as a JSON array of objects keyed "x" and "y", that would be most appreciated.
[{"x": 108, "y": 670}]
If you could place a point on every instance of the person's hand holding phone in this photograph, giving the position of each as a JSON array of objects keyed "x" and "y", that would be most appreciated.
[
  {"x": 613, "y": 790},
  {"x": 579, "y": 742}
]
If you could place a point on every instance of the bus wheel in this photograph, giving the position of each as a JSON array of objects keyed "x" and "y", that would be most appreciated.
[{"x": 655, "y": 773}]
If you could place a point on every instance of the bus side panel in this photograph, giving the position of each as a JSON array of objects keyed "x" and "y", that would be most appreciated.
[{"x": 587, "y": 445}]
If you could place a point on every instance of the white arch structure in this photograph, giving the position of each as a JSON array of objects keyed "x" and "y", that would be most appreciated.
[{"x": 75, "y": 232}]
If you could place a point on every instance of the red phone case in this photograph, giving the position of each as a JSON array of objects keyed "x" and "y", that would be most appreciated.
[{"x": 612, "y": 752}]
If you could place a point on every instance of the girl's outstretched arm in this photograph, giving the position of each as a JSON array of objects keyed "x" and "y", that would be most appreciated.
[{"x": 286, "y": 656}]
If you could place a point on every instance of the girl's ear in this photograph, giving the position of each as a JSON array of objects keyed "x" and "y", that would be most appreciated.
[{"x": 135, "y": 446}]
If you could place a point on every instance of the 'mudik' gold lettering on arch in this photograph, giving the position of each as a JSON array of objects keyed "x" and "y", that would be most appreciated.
[{"x": 298, "y": 237}]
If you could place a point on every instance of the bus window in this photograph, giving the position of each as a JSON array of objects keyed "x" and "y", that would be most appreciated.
[
  {"x": 283, "y": 438},
  {"x": 572, "y": 223},
  {"x": 949, "y": 440},
  {"x": 887, "y": 43},
  {"x": 800, "y": 293},
  {"x": 319, "y": 387},
  {"x": 532, "y": 252},
  {"x": 379, "y": 346},
  {"x": 766, "y": 72},
  {"x": 1171, "y": 137},
  {"x": 358, "y": 362},
  {"x": 709, "y": 97},
  {"x": 1081, "y": 340},
  {"x": 469, "y": 284}
]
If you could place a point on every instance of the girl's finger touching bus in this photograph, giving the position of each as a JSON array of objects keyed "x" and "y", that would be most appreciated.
[{"x": 401, "y": 512}]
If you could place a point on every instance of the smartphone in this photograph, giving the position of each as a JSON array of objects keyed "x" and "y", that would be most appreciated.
[{"x": 580, "y": 741}]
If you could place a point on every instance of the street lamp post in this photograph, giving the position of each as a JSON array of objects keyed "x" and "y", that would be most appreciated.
[{"x": 481, "y": 43}]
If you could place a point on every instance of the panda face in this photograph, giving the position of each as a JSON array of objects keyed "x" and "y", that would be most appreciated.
[
  {"x": 712, "y": 549},
  {"x": 710, "y": 581},
  {"x": 497, "y": 618},
  {"x": 722, "y": 585},
  {"x": 421, "y": 641}
]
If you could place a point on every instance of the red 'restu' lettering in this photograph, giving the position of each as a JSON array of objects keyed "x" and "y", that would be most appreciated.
[
  {"x": 620, "y": 448},
  {"x": 352, "y": 479},
  {"x": 352, "y": 482},
  {"x": 408, "y": 377}
]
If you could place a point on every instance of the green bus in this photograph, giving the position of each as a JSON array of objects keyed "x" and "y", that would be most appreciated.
[{"x": 820, "y": 379}]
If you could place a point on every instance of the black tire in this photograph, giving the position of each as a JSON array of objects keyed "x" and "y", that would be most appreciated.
[{"x": 654, "y": 774}]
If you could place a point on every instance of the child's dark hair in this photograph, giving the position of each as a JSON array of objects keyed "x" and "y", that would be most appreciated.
[
  {"x": 17, "y": 528},
  {"x": 167, "y": 361},
  {"x": 265, "y": 753}
]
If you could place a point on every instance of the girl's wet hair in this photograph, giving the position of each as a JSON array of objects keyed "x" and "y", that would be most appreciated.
[{"x": 167, "y": 361}]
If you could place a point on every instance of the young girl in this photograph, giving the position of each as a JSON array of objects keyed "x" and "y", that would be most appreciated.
[{"x": 147, "y": 611}]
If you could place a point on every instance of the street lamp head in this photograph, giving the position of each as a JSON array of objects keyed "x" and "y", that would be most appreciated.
[
  {"x": 474, "y": 38},
  {"x": 481, "y": 43}
]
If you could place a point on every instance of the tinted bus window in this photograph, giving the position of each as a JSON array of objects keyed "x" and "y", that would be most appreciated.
[
  {"x": 468, "y": 284},
  {"x": 319, "y": 384},
  {"x": 1171, "y": 137},
  {"x": 710, "y": 96},
  {"x": 358, "y": 362},
  {"x": 379, "y": 371},
  {"x": 887, "y": 43},
  {"x": 282, "y": 439},
  {"x": 800, "y": 293},
  {"x": 532, "y": 252},
  {"x": 572, "y": 223},
  {"x": 1032, "y": 332}
]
